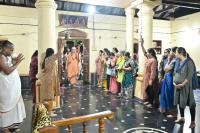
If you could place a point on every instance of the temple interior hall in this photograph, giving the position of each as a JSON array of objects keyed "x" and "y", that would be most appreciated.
[{"x": 102, "y": 66}]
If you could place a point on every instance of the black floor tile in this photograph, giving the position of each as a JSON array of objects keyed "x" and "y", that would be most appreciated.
[{"x": 129, "y": 114}]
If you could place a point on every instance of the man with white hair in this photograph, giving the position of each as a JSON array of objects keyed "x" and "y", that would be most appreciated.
[{"x": 72, "y": 66}]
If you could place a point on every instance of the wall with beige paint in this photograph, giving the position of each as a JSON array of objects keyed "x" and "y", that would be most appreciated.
[
  {"x": 186, "y": 33},
  {"x": 19, "y": 24}
]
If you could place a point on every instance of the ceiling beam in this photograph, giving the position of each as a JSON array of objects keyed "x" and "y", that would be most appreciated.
[
  {"x": 183, "y": 3},
  {"x": 165, "y": 9},
  {"x": 167, "y": 12}
]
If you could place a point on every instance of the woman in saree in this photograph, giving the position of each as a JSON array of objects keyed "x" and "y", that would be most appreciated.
[
  {"x": 184, "y": 96},
  {"x": 49, "y": 79},
  {"x": 100, "y": 62},
  {"x": 150, "y": 78},
  {"x": 167, "y": 88},
  {"x": 127, "y": 82},
  {"x": 107, "y": 68},
  {"x": 135, "y": 65},
  {"x": 120, "y": 72},
  {"x": 32, "y": 74},
  {"x": 113, "y": 78},
  {"x": 162, "y": 64}
]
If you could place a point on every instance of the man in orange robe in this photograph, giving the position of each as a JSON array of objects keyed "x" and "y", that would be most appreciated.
[{"x": 72, "y": 66}]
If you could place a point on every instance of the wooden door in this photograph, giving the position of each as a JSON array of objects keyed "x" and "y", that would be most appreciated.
[{"x": 86, "y": 61}]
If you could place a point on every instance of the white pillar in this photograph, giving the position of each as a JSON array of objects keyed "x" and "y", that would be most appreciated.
[
  {"x": 145, "y": 29},
  {"x": 46, "y": 27},
  {"x": 129, "y": 29},
  {"x": 146, "y": 20}
]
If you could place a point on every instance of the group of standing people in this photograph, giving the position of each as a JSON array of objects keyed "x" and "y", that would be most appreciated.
[
  {"x": 167, "y": 85},
  {"x": 49, "y": 67},
  {"x": 171, "y": 84},
  {"x": 119, "y": 69},
  {"x": 178, "y": 83}
]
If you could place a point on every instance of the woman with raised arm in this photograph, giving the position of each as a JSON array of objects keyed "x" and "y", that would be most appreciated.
[
  {"x": 150, "y": 77},
  {"x": 50, "y": 85}
]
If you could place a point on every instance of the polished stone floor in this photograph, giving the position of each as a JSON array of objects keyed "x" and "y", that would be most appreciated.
[{"x": 130, "y": 115}]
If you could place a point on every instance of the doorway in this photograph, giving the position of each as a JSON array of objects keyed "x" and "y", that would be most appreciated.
[{"x": 78, "y": 39}]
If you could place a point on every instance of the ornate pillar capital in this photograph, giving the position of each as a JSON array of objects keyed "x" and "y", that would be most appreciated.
[
  {"x": 150, "y": 3},
  {"x": 129, "y": 11},
  {"x": 145, "y": 5},
  {"x": 46, "y": 4}
]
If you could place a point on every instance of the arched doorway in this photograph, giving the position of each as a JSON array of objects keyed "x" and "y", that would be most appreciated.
[{"x": 78, "y": 38}]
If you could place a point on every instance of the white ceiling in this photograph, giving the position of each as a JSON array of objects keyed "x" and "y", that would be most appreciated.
[{"x": 113, "y": 3}]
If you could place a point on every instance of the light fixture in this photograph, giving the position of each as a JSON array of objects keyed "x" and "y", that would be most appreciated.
[
  {"x": 115, "y": 37},
  {"x": 91, "y": 9}
]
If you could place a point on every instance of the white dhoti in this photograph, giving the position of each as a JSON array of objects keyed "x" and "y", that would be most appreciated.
[{"x": 12, "y": 110}]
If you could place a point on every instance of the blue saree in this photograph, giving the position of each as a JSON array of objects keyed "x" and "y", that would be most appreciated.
[{"x": 167, "y": 90}]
